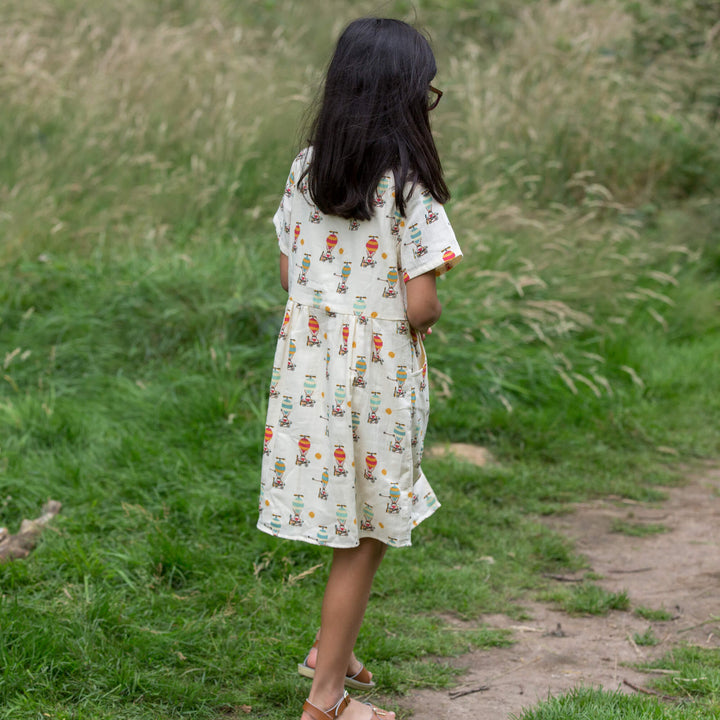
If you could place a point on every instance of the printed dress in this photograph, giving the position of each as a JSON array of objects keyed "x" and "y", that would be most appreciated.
[{"x": 348, "y": 404}]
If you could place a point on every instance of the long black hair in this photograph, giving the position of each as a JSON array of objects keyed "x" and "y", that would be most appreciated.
[{"x": 373, "y": 119}]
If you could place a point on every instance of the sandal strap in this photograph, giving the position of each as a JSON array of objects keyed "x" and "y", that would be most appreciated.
[
  {"x": 331, "y": 713},
  {"x": 362, "y": 675}
]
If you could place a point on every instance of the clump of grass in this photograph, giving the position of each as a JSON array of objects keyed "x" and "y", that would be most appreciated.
[
  {"x": 636, "y": 529},
  {"x": 589, "y": 599},
  {"x": 660, "y": 615},
  {"x": 647, "y": 638},
  {"x": 601, "y": 705}
]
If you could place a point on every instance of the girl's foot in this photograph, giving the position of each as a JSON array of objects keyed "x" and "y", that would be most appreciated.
[
  {"x": 356, "y": 676},
  {"x": 354, "y": 667},
  {"x": 346, "y": 709}
]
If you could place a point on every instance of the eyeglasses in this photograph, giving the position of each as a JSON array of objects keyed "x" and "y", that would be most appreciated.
[{"x": 434, "y": 96}]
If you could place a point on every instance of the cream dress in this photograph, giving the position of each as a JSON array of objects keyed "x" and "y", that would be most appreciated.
[{"x": 348, "y": 404}]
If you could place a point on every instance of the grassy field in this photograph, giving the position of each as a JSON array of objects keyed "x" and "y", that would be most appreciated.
[{"x": 145, "y": 147}]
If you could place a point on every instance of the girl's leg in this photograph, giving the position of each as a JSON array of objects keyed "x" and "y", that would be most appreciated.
[{"x": 346, "y": 597}]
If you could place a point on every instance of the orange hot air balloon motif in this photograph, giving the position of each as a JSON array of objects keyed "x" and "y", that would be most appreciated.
[
  {"x": 360, "y": 370},
  {"x": 448, "y": 255},
  {"x": 284, "y": 327},
  {"x": 303, "y": 446},
  {"x": 330, "y": 243},
  {"x": 370, "y": 465},
  {"x": 401, "y": 375},
  {"x": 339, "y": 456},
  {"x": 304, "y": 267},
  {"x": 393, "y": 507},
  {"x": 377, "y": 347},
  {"x": 292, "y": 349},
  {"x": 371, "y": 247},
  {"x": 296, "y": 237},
  {"x": 268, "y": 438},
  {"x": 345, "y": 335},
  {"x": 278, "y": 481},
  {"x": 314, "y": 327},
  {"x": 390, "y": 291}
]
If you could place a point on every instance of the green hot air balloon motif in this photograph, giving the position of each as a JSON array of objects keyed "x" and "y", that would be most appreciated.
[{"x": 298, "y": 504}]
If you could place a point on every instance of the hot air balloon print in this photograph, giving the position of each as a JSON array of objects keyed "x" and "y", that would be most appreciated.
[
  {"x": 381, "y": 190},
  {"x": 284, "y": 326},
  {"x": 374, "y": 405},
  {"x": 401, "y": 327},
  {"x": 371, "y": 247},
  {"x": 339, "y": 456},
  {"x": 279, "y": 470},
  {"x": 359, "y": 309},
  {"x": 317, "y": 299},
  {"x": 345, "y": 335},
  {"x": 360, "y": 370},
  {"x": 306, "y": 399},
  {"x": 324, "y": 480},
  {"x": 344, "y": 275},
  {"x": 285, "y": 408},
  {"x": 296, "y": 236},
  {"x": 401, "y": 375},
  {"x": 304, "y": 267},
  {"x": 292, "y": 349},
  {"x": 416, "y": 240},
  {"x": 377, "y": 347},
  {"x": 337, "y": 408},
  {"x": 390, "y": 291},
  {"x": 354, "y": 225},
  {"x": 367, "y": 518},
  {"x": 427, "y": 199},
  {"x": 448, "y": 256},
  {"x": 398, "y": 435},
  {"x": 355, "y": 425},
  {"x": 322, "y": 535},
  {"x": 370, "y": 465},
  {"x": 342, "y": 515},
  {"x": 393, "y": 506},
  {"x": 314, "y": 327},
  {"x": 275, "y": 524},
  {"x": 330, "y": 243},
  {"x": 298, "y": 504},
  {"x": 268, "y": 438},
  {"x": 274, "y": 382},
  {"x": 303, "y": 446},
  {"x": 289, "y": 184}
]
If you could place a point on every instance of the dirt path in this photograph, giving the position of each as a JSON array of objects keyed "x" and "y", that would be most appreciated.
[{"x": 677, "y": 570}]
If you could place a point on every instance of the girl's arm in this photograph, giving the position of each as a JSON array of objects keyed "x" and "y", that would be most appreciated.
[
  {"x": 423, "y": 306},
  {"x": 284, "y": 271}
]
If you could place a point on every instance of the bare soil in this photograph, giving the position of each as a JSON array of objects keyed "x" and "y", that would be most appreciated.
[{"x": 677, "y": 570}]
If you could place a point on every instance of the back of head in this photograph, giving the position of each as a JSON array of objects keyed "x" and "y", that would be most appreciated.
[{"x": 374, "y": 119}]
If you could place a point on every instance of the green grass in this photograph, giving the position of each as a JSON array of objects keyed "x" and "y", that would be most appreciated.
[
  {"x": 647, "y": 638},
  {"x": 145, "y": 150},
  {"x": 660, "y": 615},
  {"x": 588, "y": 599}
]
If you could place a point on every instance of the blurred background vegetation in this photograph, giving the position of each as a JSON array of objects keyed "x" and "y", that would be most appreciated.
[{"x": 145, "y": 146}]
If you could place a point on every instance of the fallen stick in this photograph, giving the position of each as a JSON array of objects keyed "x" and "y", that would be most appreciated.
[
  {"x": 646, "y": 691},
  {"x": 459, "y": 693},
  {"x": 15, "y": 547}
]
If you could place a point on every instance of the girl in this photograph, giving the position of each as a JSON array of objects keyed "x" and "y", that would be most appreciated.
[{"x": 362, "y": 235}]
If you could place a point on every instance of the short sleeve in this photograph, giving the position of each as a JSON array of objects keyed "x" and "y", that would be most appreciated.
[
  {"x": 281, "y": 219},
  {"x": 428, "y": 240}
]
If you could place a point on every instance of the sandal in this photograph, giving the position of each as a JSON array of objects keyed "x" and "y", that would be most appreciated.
[
  {"x": 337, "y": 710},
  {"x": 359, "y": 681}
]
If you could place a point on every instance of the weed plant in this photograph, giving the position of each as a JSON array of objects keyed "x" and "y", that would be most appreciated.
[{"x": 145, "y": 146}]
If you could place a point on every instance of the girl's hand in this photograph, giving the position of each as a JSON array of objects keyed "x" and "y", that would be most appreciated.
[{"x": 423, "y": 335}]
